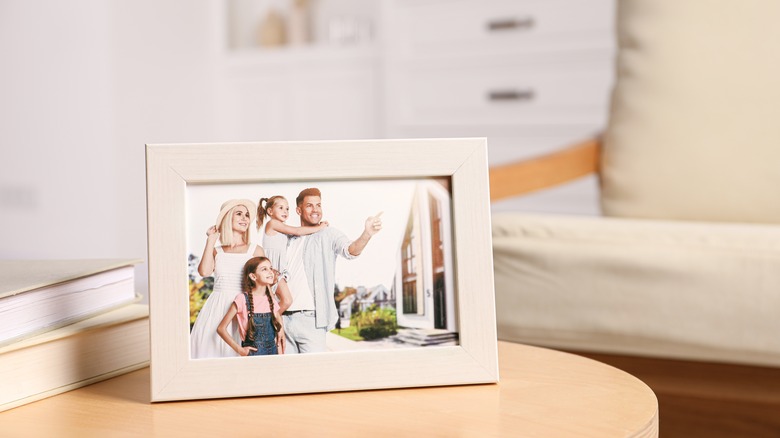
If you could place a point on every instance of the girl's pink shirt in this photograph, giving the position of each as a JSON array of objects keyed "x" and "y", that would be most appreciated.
[{"x": 242, "y": 316}]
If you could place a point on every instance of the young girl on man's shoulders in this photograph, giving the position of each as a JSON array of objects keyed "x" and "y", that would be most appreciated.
[{"x": 277, "y": 210}]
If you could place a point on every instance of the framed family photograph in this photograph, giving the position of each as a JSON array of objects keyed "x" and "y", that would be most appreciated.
[{"x": 300, "y": 267}]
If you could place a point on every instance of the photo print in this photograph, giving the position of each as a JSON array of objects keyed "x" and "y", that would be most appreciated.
[{"x": 398, "y": 291}]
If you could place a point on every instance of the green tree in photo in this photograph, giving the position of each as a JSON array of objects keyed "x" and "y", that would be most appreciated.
[
  {"x": 200, "y": 288},
  {"x": 375, "y": 323},
  {"x": 199, "y": 293}
]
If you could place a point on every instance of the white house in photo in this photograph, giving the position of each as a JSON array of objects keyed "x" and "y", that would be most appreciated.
[
  {"x": 365, "y": 297},
  {"x": 378, "y": 295},
  {"x": 423, "y": 285},
  {"x": 345, "y": 310}
]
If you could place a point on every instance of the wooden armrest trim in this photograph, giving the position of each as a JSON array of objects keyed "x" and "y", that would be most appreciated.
[{"x": 546, "y": 171}]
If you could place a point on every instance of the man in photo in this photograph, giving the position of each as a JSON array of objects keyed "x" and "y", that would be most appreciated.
[{"x": 311, "y": 271}]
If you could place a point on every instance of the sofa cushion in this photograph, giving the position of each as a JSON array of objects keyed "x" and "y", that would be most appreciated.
[
  {"x": 694, "y": 130},
  {"x": 697, "y": 291}
]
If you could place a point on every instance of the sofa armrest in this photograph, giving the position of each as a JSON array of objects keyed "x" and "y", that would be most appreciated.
[{"x": 527, "y": 176}]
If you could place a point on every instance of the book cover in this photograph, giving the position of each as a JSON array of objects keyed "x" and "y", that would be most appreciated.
[
  {"x": 95, "y": 349},
  {"x": 41, "y": 295}
]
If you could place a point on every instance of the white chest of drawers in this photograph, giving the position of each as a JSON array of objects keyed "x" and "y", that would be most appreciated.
[{"x": 530, "y": 75}]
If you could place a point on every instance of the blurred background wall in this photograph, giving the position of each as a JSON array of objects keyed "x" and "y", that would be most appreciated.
[{"x": 85, "y": 84}]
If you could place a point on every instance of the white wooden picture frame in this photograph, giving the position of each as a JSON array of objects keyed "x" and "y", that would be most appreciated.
[{"x": 172, "y": 167}]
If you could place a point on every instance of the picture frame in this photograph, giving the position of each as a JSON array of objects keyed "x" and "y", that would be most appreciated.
[{"x": 172, "y": 168}]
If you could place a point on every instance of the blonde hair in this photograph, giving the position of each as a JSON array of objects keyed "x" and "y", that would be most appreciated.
[
  {"x": 226, "y": 228},
  {"x": 263, "y": 206}
]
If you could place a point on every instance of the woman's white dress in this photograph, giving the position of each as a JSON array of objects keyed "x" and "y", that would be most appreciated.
[{"x": 204, "y": 340}]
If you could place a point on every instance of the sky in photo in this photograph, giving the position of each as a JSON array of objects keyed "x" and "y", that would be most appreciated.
[{"x": 345, "y": 204}]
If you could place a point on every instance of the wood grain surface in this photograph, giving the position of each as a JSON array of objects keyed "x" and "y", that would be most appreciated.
[{"x": 542, "y": 393}]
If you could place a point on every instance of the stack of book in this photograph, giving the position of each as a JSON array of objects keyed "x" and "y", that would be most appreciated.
[{"x": 66, "y": 324}]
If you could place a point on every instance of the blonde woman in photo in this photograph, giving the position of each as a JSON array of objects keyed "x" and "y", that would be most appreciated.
[{"x": 225, "y": 262}]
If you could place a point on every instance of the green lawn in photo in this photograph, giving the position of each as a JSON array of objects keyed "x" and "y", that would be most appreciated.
[{"x": 349, "y": 333}]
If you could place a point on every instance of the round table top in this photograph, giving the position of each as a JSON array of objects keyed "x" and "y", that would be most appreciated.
[{"x": 541, "y": 392}]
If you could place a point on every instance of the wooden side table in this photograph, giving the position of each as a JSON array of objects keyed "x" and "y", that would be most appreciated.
[{"x": 542, "y": 393}]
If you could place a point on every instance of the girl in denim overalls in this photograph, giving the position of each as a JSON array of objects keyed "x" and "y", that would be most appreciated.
[{"x": 259, "y": 323}]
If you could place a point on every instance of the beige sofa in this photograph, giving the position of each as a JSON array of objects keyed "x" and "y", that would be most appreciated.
[{"x": 685, "y": 262}]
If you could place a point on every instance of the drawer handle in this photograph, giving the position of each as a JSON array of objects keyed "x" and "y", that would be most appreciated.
[
  {"x": 511, "y": 95},
  {"x": 503, "y": 24}
]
